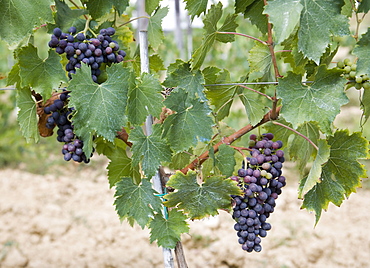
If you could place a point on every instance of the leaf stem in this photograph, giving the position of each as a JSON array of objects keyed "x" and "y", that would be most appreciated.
[
  {"x": 298, "y": 133},
  {"x": 228, "y": 140},
  {"x": 245, "y": 35},
  {"x": 256, "y": 91}
]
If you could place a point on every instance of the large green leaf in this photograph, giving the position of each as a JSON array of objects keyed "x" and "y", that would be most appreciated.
[
  {"x": 144, "y": 99},
  {"x": 19, "y": 17},
  {"x": 109, "y": 97},
  {"x": 210, "y": 35},
  {"x": 362, "y": 51},
  {"x": 365, "y": 105},
  {"x": 155, "y": 32},
  {"x": 342, "y": 173},
  {"x": 200, "y": 201},
  {"x": 136, "y": 201},
  {"x": 181, "y": 76},
  {"x": 151, "y": 150},
  {"x": 27, "y": 117},
  {"x": 42, "y": 75},
  {"x": 284, "y": 15},
  {"x": 224, "y": 160},
  {"x": 190, "y": 122},
  {"x": 313, "y": 38},
  {"x": 254, "y": 13},
  {"x": 320, "y": 101},
  {"x": 314, "y": 175},
  {"x": 167, "y": 231},
  {"x": 254, "y": 104}
]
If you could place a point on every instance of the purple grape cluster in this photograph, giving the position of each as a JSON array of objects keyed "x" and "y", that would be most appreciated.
[
  {"x": 93, "y": 51},
  {"x": 60, "y": 116},
  {"x": 261, "y": 181}
]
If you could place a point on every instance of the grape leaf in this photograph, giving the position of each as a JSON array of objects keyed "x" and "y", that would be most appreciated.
[
  {"x": 152, "y": 149},
  {"x": 13, "y": 76},
  {"x": 110, "y": 97},
  {"x": 151, "y": 5},
  {"x": 260, "y": 62},
  {"x": 241, "y": 5},
  {"x": 314, "y": 175},
  {"x": 321, "y": 194},
  {"x": 155, "y": 32},
  {"x": 362, "y": 51},
  {"x": 225, "y": 160},
  {"x": 300, "y": 149},
  {"x": 41, "y": 75},
  {"x": 254, "y": 13},
  {"x": 190, "y": 122},
  {"x": 221, "y": 97},
  {"x": 144, "y": 99},
  {"x": 284, "y": 15},
  {"x": 27, "y": 117},
  {"x": 181, "y": 76},
  {"x": 254, "y": 105},
  {"x": 180, "y": 160},
  {"x": 200, "y": 201},
  {"x": 136, "y": 201},
  {"x": 167, "y": 231},
  {"x": 66, "y": 17},
  {"x": 320, "y": 101},
  {"x": 98, "y": 8},
  {"x": 18, "y": 18},
  {"x": 313, "y": 38},
  {"x": 210, "y": 35},
  {"x": 196, "y": 7},
  {"x": 121, "y": 165},
  {"x": 342, "y": 173}
]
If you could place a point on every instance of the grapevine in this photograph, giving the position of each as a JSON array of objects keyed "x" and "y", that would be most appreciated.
[{"x": 168, "y": 125}]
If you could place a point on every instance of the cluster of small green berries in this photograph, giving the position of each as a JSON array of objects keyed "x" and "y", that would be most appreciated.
[{"x": 349, "y": 72}]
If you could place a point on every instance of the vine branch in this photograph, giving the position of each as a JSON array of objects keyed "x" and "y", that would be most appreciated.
[{"x": 230, "y": 139}]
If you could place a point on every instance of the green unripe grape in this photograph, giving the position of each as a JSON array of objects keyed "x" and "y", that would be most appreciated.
[
  {"x": 112, "y": 45},
  {"x": 365, "y": 77},
  {"x": 263, "y": 173},
  {"x": 252, "y": 143},
  {"x": 358, "y": 86},
  {"x": 352, "y": 74},
  {"x": 268, "y": 176},
  {"x": 366, "y": 85},
  {"x": 347, "y": 62},
  {"x": 347, "y": 69},
  {"x": 340, "y": 64},
  {"x": 346, "y": 76},
  {"x": 359, "y": 79},
  {"x": 353, "y": 67}
]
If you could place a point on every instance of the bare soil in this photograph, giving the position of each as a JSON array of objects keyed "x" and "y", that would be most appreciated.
[{"x": 69, "y": 221}]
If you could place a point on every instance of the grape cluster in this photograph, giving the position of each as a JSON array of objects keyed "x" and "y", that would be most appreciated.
[
  {"x": 93, "y": 52},
  {"x": 59, "y": 116},
  {"x": 349, "y": 72},
  {"x": 261, "y": 181}
]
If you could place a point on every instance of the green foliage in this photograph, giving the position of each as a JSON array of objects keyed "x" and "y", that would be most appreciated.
[
  {"x": 199, "y": 201},
  {"x": 239, "y": 62},
  {"x": 167, "y": 231},
  {"x": 320, "y": 101},
  {"x": 136, "y": 201}
]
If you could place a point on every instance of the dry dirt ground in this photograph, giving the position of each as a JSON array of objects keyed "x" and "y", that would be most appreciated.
[{"x": 69, "y": 221}]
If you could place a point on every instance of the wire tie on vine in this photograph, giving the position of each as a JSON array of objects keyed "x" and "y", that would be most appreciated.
[{"x": 165, "y": 212}]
